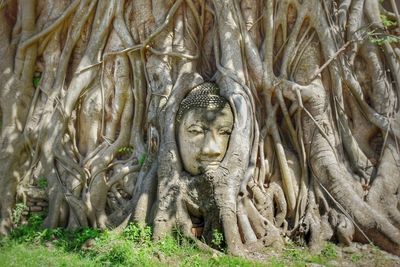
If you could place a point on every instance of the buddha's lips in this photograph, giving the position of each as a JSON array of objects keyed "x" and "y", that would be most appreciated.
[{"x": 209, "y": 163}]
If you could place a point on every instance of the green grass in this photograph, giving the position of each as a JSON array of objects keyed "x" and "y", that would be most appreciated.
[
  {"x": 14, "y": 254},
  {"x": 31, "y": 245},
  {"x": 299, "y": 256}
]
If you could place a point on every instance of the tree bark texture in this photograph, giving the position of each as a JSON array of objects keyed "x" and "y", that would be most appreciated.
[{"x": 89, "y": 91}]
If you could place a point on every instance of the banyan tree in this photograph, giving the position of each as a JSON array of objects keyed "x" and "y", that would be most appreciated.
[{"x": 109, "y": 102}]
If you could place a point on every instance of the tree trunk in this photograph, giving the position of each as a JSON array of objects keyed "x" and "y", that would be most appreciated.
[{"x": 90, "y": 92}]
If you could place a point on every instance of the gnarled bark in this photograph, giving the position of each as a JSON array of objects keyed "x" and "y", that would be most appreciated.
[{"x": 89, "y": 91}]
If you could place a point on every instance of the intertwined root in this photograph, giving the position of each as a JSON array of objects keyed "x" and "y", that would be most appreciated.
[{"x": 89, "y": 91}]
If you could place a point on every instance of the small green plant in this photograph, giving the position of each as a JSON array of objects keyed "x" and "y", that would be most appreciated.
[
  {"x": 113, "y": 248},
  {"x": 28, "y": 232},
  {"x": 356, "y": 258},
  {"x": 35, "y": 221},
  {"x": 142, "y": 159},
  {"x": 329, "y": 251},
  {"x": 295, "y": 254},
  {"x": 138, "y": 234},
  {"x": 217, "y": 239},
  {"x": 194, "y": 261},
  {"x": 387, "y": 22},
  {"x": 119, "y": 254},
  {"x": 181, "y": 239},
  {"x": 381, "y": 39},
  {"x": 36, "y": 81},
  {"x": 73, "y": 240},
  {"x": 42, "y": 183},
  {"x": 33, "y": 232},
  {"x": 168, "y": 245},
  {"x": 125, "y": 150},
  {"x": 17, "y": 213}
]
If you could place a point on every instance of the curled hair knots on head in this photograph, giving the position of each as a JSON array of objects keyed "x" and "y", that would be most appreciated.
[{"x": 205, "y": 95}]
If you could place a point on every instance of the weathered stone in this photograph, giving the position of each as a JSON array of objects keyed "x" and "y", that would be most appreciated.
[
  {"x": 30, "y": 203},
  {"x": 205, "y": 124},
  {"x": 35, "y": 193},
  {"x": 42, "y": 204},
  {"x": 35, "y": 209}
]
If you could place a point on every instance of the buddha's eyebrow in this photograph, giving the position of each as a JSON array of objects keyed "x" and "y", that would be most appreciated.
[
  {"x": 225, "y": 126},
  {"x": 198, "y": 124}
]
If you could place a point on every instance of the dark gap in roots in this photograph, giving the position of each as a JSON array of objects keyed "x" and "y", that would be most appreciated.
[
  {"x": 376, "y": 143},
  {"x": 197, "y": 225},
  {"x": 11, "y": 12},
  {"x": 278, "y": 43},
  {"x": 307, "y": 236}
]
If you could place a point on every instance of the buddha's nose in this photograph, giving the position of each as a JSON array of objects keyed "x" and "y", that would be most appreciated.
[{"x": 211, "y": 148}]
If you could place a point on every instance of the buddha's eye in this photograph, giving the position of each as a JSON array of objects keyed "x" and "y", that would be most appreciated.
[
  {"x": 225, "y": 131},
  {"x": 195, "y": 130}
]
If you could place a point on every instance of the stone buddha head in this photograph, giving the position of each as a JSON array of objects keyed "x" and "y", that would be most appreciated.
[{"x": 205, "y": 122}]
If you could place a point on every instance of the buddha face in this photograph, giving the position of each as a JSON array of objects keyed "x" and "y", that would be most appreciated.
[{"x": 203, "y": 137}]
